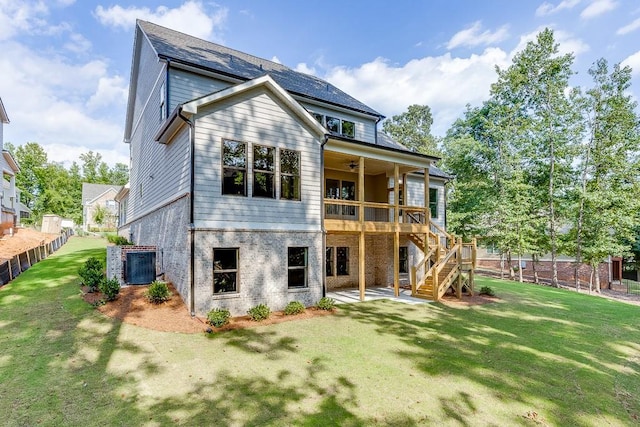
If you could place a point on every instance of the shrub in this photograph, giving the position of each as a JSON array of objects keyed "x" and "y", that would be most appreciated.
[
  {"x": 294, "y": 307},
  {"x": 218, "y": 317},
  {"x": 486, "y": 290},
  {"x": 259, "y": 312},
  {"x": 91, "y": 273},
  {"x": 118, "y": 240},
  {"x": 326, "y": 303},
  {"x": 110, "y": 288},
  {"x": 158, "y": 292}
]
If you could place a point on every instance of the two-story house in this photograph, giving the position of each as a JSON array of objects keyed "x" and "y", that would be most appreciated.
[
  {"x": 8, "y": 194},
  {"x": 260, "y": 184},
  {"x": 100, "y": 197}
]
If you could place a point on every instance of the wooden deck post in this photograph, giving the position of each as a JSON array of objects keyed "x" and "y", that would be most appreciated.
[
  {"x": 396, "y": 263},
  {"x": 396, "y": 193},
  {"x": 427, "y": 210},
  {"x": 361, "y": 244},
  {"x": 459, "y": 280},
  {"x": 361, "y": 265}
]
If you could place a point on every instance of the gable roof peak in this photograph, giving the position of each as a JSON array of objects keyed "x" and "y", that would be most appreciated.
[{"x": 191, "y": 51}]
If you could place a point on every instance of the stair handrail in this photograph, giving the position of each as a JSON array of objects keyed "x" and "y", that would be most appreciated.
[
  {"x": 452, "y": 252},
  {"x": 417, "y": 267}
]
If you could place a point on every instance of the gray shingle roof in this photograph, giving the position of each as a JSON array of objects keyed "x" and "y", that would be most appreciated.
[
  {"x": 91, "y": 191},
  {"x": 180, "y": 47}
]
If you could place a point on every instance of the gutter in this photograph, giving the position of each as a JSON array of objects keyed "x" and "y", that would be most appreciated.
[
  {"x": 322, "y": 212},
  {"x": 192, "y": 240}
]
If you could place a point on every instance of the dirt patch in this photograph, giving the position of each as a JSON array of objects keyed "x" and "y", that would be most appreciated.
[
  {"x": 467, "y": 300},
  {"x": 22, "y": 240},
  {"x": 132, "y": 307}
]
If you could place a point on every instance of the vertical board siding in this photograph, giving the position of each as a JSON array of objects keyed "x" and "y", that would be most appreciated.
[
  {"x": 185, "y": 86},
  {"x": 255, "y": 118},
  {"x": 365, "y": 129}
]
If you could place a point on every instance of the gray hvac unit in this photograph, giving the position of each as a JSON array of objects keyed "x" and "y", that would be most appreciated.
[{"x": 141, "y": 268}]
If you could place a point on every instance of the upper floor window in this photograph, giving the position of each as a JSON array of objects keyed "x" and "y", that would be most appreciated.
[
  {"x": 263, "y": 171},
  {"x": 338, "y": 126},
  {"x": 289, "y": 174},
  {"x": 433, "y": 202},
  {"x": 234, "y": 168},
  {"x": 163, "y": 107}
]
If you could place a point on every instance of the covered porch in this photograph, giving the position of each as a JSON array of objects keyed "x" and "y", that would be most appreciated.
[{"x": 377, "y": 226}]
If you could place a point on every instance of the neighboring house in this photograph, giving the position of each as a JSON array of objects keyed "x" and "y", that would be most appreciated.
[
  {"x": 8, "y": 193},
  {"x": 103, "y": 195},
  {"x": 260, "y": 184}
]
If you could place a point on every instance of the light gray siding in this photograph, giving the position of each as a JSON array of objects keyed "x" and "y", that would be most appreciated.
[
  {"x": 185, "y": 86},
  {"x": 255, "y": 118},
  {"x": 365, "y": 130},
  {"x": 415, "y": 194}
]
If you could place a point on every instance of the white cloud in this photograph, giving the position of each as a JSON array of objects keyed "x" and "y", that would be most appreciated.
[
  {"x": 547, "y": 8},
  {"x": 445, "y": 83},
  {"x": 78, "y": 43},
  {"x": 192, "y": 17},
  {"x": 304, "y": 68},
  {"x": 629, "y": 28},
  {"x": 597, "y": 8},
  {"x": 16, "y": 16},
  {"x": 276, "y": 60},
  {"x": 111, "y": 91},
  {"x": 566, "y": 41},
  {"x": 633, "y": 61},
  {"x": 53, "y": 108},
  {"x": 474, "y": 36}
]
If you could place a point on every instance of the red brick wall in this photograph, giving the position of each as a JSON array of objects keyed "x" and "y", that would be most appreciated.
[{"x": 566, "y": 270}]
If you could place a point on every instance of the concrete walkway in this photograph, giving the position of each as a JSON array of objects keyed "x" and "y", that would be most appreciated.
[{"x": 345, "y": 296}]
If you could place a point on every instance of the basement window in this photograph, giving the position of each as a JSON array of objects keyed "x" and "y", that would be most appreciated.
[
  {"x": 225, "y": 270},
  {"x": 297, "y": 267}
]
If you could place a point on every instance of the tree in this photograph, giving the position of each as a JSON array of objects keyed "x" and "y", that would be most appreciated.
[
  {"x": 413, "y": 129},
  {"x": 608, "y": 191},
  {"x": 90, "y": 166},
  {"x": 534, "y": 91},
  {"x": 100, "y": 214},
  {"x": 31, "y": 179}
]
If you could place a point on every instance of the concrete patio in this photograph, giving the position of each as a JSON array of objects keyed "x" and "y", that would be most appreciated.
[{"x": 344, "y": 296}]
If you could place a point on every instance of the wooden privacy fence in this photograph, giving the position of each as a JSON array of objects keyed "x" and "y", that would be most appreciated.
[{"x": 12, "y": 268}]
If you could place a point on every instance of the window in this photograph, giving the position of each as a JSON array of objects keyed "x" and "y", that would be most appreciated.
[
  {"x": 433, "y": 202},
  {"x": 163, "y": 108},
  {"x": 289, "y": 175},
  {"x": 342, "y": 261},
  {"x": 263, "y": 171},
  {"x": 234, "y": 168},
  {"x": 343, "y": 190},
  {"x": 330, "y": 266},
  {"x": 225, "y": 270},
  {"x": 335, "y": 125},
  {"x": 348, "y": 129},
  {"x": 297, "y": 266},
  {"x": 404, "y": 259}
]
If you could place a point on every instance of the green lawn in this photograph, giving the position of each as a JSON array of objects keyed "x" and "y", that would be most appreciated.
[{"x": 541, "y": 356}]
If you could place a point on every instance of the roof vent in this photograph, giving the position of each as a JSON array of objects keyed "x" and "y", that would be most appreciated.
[{"x": 261, "y": 66}]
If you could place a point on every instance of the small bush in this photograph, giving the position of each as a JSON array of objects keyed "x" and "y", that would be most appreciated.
[
  {"x": 218, "y": 317},
  {"x": 294, "y": 307},
  {"x": 110, "y": 288},
  {"x": 118, "y": 240},
  {"x": 158, "y": 292},
  {"x": 91, "y": 273},
  {"x": 326, "y": 303},
  {"x": 259, "y": 312},
  {"x": 486, "y": 290}
]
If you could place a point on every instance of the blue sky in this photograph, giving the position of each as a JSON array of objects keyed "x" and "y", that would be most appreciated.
[{"x": 64, "y": 64}]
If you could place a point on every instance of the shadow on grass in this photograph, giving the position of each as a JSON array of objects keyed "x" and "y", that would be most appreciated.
[{"x": 537, "y": 344}]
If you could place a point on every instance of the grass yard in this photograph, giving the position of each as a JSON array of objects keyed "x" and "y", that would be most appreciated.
[{"x": 540, "y": 356}]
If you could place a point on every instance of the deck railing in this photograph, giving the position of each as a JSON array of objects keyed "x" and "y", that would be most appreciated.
[{"x": 349, "y": 210}]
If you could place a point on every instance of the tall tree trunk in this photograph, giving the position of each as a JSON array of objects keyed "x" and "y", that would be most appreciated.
[
  {"x": 534, "y": 261},
  {"x": 552, "y": 220},
  {"x": 509, "y": 262},
  {"x": 596, "y": 273},
  {"x": 520, "y": 268},
  {"x": 591, "y": 281},
  {"x": 581, "y": 215}
]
